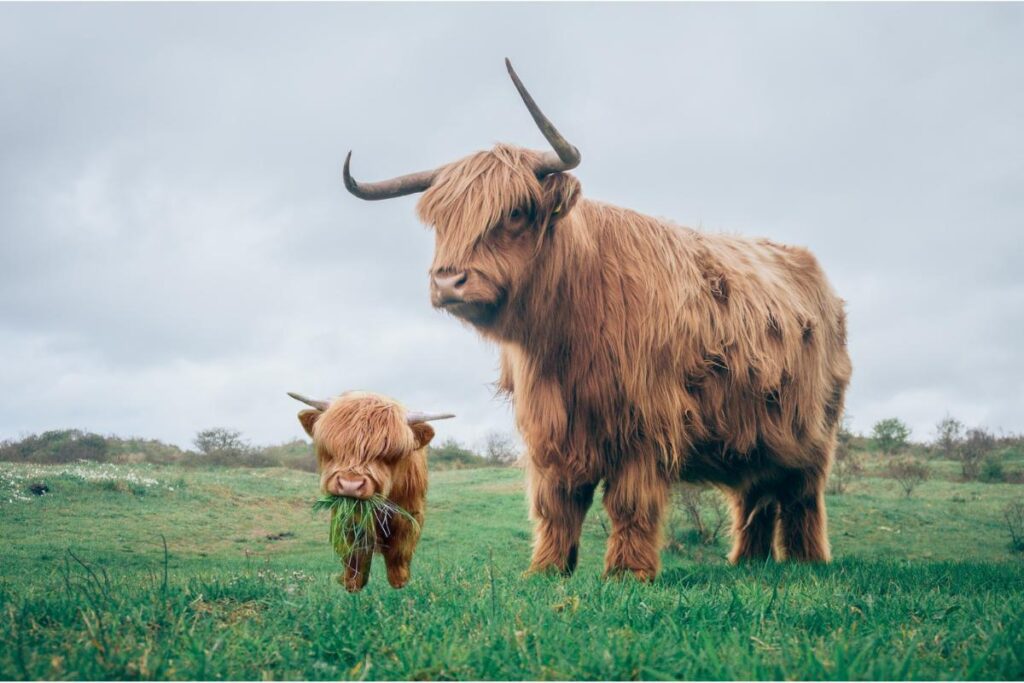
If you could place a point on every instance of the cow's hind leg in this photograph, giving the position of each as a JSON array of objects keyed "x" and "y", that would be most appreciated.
[
  {"x": 557, "y": 509},
  {"x": 803, "y": 523},
  {"x": 754, "y": 516},
  {"x": 635, "y": 498}
]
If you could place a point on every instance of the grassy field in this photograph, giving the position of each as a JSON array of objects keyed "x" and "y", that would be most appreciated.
[{"x": 922, "y": 588}]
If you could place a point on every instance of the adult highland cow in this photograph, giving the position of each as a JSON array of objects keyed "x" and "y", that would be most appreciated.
[{"x": 639, "y": 353}]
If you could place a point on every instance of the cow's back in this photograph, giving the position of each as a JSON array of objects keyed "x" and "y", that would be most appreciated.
[{"x": 772, "y": 335}]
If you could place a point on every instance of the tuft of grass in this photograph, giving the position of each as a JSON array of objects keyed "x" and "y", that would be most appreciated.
[{"x": 354, "y": 522}]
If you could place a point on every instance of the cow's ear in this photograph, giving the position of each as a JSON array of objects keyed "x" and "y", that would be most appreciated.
[
  {"x": 560, "y": 191},
  {"x": 423, "y": 433},
  {"x": 308, "y": 418}
]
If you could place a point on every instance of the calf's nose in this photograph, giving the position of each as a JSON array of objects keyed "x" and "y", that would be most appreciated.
[
  {"x": 448, "y": 286},
  {"x": 358, "y": 487}
]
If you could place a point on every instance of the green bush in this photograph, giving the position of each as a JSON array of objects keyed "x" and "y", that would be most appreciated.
[
  {"x": 992, "y": 471},
  {"x": 451, "y": 455},
  {"x": 296, "y": 455},
  {"x": 56, "y": 447},
  {"x": 891, "y": 436}
]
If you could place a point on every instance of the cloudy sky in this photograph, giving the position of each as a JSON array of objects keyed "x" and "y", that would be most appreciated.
[{"x": 177, "y": 250}]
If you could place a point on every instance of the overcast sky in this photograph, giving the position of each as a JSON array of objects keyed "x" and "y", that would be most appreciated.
[{"x": 177, "y": 250}]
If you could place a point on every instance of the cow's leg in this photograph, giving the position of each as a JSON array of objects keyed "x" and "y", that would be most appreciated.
[
  {"x": 357, "y": 571},
  {"x": 754, "y": 515},
  {"x": 803, "y": 523},
  {"x": 557, "y": 509},
  {"x": 399, "y": 550},
  {"x": 635, "y": 498}
]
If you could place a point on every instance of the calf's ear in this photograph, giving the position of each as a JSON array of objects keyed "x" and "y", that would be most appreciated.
[
  {"x": 560, "y": 191},
  {"x": 308, "y": 418},
  {"x": 423, "y": 433}
]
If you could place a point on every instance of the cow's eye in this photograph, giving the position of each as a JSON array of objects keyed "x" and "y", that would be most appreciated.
[{"x": 515, "y": 214}]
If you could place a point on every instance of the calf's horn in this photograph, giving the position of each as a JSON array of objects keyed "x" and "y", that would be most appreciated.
[
  {"x": 316, "y": 403},
  {"x": 415, "y": 417}
]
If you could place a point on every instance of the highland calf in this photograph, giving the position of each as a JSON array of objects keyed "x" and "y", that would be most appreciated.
[
  {"x": 638, "y": 353},
  {"x": 367, "y": 444}
]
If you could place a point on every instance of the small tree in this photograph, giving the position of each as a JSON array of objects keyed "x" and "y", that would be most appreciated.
[
  {"x": 705, "y": 510},
  {"x": 501, "y": 448},
  {"x": 846, "y": 466},
  {"x": 977, "y": 444},
  {"x": 909, "y": 473},
  {"x": 949, "y": 434},
  {"x": 891, "y": 436},
  {"x": 220, "y": 442}
]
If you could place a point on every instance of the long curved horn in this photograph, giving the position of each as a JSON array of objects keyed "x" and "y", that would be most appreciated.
[
  {"x": 565, "y": 156},
  {"x": 316, "y": 403},
  {"x": 386, "y": 189},
  {"x": 415, "y": 417}
]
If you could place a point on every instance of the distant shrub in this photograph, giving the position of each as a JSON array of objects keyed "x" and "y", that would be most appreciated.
[
  {"x": 56, "y": 447},
  {"x": 992, "y": 471},
  {"x": 221, "y": 447},
  {"x": 909, "y": 473},
  {"x": 698, "y": 515},
  {"x": 976, "y": 446},
  {"x": 948, "y": 437},
  {"x": 1013, "y": 516},
  {"x": 847, "y": 465},
  {"x": 63, "y": 446},
  {"x": 500, "y": 448},
  {"x": 891, "y": 436},
  {"x": 296, "y": 455},
  {"x": 220, "y": 441},
  {"x": 451, "y": 455}
]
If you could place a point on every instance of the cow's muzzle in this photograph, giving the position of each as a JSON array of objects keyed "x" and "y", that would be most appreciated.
[{"x": 447, "y": 288}]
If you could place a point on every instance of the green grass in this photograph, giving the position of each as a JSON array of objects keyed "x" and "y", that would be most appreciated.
[{"x": 922, "y": 588}]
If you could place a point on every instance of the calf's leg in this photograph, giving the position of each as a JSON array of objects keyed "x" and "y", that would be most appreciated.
[
  {"x": 635, "y": 498},
  {"x": 357, "y": 571},
  {"x": 399, "y": 550}
]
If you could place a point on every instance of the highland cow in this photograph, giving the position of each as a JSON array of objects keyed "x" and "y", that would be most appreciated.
[
  {"x": 638, "y": 353},
  {"x": 367, "y": 444}
]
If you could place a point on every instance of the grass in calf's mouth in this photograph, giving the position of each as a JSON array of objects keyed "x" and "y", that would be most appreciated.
[{"x": 354, "y": 523}]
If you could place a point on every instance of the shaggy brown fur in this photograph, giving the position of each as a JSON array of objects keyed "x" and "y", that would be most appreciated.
[
  {"x": 366, "y": 435},
  {"x": 638, "y": 352}
]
